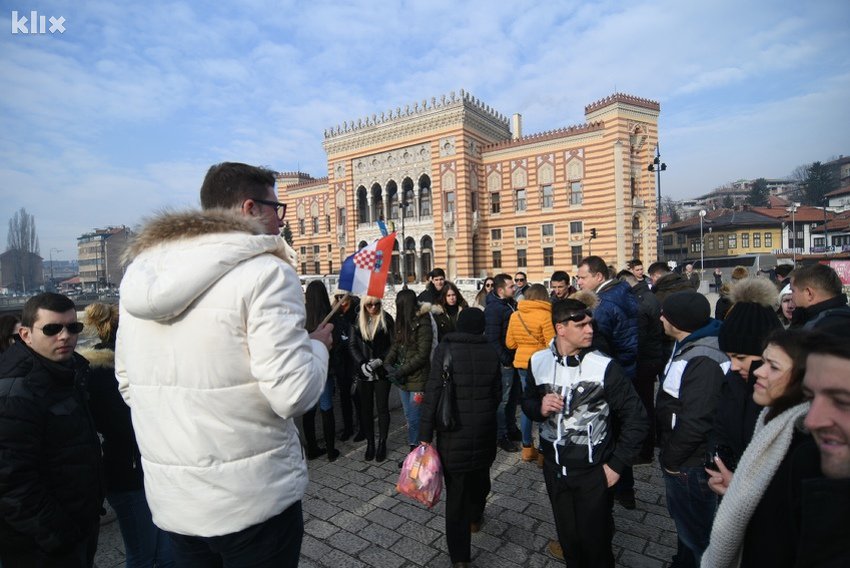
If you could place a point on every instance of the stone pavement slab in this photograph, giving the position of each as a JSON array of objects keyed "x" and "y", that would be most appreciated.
[{"x": 354, "y": 517}]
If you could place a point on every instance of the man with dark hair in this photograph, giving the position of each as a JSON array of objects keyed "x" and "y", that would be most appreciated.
[
  {"x": 497, "y": 316},
  {"x": 782, "y": 271},
  {"x": 616, "y": 315},
  {"x": 593, "y": 426},
  {"x": 436, "y": 281},
  {"x": 825, "y": 516},
  {"x": 818, "y": 299},
  {"x": 228, "y": 184},
  {"x": 522, "y": 285},
  {"x": 635, "y": 266},
  {"x": 559, "y": 283},
  {"x": 215, "y": 364},
  {"x": 656, "y": 270},
  {"x": 684, "y": 410},
  {"x": 51, "y": 481}
]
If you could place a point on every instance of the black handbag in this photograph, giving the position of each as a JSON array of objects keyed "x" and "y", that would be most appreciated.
[{"x": 446, "y": 419}]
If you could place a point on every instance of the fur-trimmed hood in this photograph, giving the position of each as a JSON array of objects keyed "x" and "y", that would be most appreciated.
[
  {"x": 177, "y": 256},
  {"x": 755, "y": 290},
  {"x": 586, "y": 297},
  {"x": 99, "y": 358}
]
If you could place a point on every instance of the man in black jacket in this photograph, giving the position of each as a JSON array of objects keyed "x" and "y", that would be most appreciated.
[
  {"x": 818, "y": 299},
  {"x": 51, "y": 486},
  {"x": 825, "y": 508},
  {"x": 497, "y": 315},
  {"x": 580, "y": 395},
  {"x": 684, "y": 411}
]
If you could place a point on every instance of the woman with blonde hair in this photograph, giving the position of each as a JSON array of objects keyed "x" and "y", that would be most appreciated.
[
  {"x": 530, "y": 329},
  {"x": 144, "y": 543},
  {"x": 371, "y": 338}
]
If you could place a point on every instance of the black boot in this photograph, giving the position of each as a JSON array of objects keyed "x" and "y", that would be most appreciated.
[
  {"x": 381, "y": 451},
  {"x": 370, "y": 450},
  {"x": 328, "y": 426},
  {"x": 308, "y": 424}
]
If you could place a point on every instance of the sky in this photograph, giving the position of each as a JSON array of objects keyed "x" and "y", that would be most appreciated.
[{"x": 120, "y": 115}]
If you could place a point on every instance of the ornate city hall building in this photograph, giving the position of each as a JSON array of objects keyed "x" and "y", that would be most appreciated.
[{"x": 467, "y": 191}]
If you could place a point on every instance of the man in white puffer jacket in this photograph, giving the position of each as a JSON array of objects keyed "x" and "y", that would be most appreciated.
[{"x": 214, "y": 362}]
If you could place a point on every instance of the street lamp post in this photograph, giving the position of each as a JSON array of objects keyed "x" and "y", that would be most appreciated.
[
  {"x": 701, "y": 247},
  {"x": 658, "y": 166},
  {"x": 403, "y": 244},
  {"x": 793, "y": 211}
]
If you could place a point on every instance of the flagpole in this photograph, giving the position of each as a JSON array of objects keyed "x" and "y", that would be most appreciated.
[{"x": 334, "y": 308}]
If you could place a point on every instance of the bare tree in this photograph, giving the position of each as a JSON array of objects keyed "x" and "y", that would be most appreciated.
[{"x": 23, "y": 239}]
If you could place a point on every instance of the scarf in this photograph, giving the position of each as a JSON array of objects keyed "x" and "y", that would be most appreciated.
[{"x": 755, "y": 471}]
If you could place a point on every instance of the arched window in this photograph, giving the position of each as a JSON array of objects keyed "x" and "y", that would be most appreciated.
[
  {"x": 377, "y": 203},
  {"x": 362, "y": 205},
  {"x": 424, "y": 196}
]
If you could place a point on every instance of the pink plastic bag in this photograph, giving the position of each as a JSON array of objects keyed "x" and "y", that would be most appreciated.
[{"x": 421, "y": 476}]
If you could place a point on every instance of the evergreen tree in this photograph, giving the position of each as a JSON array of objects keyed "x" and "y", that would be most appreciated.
[
  {"x": 287, "y": 234},
  {"x": 819, "y": 182},
  {"x": 759, "y": 193},
  {"x": 728, "y": 202}
]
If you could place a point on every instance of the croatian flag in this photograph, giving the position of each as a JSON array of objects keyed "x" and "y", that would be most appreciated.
[{"x": 365, "y": 272}]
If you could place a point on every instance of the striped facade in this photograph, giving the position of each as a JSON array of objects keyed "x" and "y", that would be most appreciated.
[{"x": 479, "y": 197}]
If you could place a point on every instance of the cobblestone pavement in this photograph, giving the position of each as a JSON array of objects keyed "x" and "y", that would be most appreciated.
[{"x": 354, "y": 517}]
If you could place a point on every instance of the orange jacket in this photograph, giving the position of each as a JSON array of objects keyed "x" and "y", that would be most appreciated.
[{"x": 537, "y": 317}]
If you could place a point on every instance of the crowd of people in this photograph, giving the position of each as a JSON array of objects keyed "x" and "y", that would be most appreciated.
[{"x": 184, "y": 418}]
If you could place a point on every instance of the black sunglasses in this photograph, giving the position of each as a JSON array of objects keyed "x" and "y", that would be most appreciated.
[
  {"x": 279, "y": 208},
  {"x": 520, "y": 280},
  {"x": 52, "y": 329},
  {"x": 577, "y": 317},
  {"x": 374, "y": 305}
]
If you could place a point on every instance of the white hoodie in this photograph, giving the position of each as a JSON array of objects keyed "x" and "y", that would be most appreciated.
[{"x": 214, "y": 361}]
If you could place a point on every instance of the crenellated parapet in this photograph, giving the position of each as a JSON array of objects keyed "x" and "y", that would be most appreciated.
[
  {"x": 622, "y": 98},
  {"x": 445, "y": 101},
  {"x": 546, "y": 136}
]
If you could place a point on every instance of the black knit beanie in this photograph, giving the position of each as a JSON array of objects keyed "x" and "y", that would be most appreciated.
[
  {"x": 471, "y": 320},
  {"x": 687, "y": 311},
  {"x": 745, "y": 328}
]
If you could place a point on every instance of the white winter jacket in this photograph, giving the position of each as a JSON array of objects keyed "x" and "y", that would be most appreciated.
[{"x": 214, "y": 361}]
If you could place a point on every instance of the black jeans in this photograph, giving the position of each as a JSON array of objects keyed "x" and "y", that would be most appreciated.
[
  {"x": 80, "y": 556},
  {"x": 466, "y": 496},
  {"x": 582, "y": 506},
  {"x": 274, "y": 543},
  {"x": 375, "y": 395}
]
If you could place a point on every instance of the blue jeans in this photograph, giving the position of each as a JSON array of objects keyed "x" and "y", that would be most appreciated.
[
  {"x": 274, "y": 543},
  {"x": 501, "y": 417},
  {"x": 412, "y": 410},
  {"x": 692, "y": 506},
  {"x": 144, "y": 543},
  {"x": 326, "y": 401},
  {"x": 525, "y": 424}
]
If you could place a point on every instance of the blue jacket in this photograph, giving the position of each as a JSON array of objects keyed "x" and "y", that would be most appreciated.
[
  {"x": 497, "y": 315},
  {"x": 616, "y": 324}
]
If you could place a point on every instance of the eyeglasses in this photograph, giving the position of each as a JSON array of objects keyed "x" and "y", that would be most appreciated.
[
  {"x": 488, "y": 285},
  {"x": 520, "y": 280},
  {"x": 577, "y": 317},
  {"x": 374, "y": 305},
  {"x": 279, "y": 208},
  {"x": 52, "y": 329}
]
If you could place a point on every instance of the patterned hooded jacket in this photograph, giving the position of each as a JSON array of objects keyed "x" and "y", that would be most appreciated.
[{"x": 596, "y": 395}]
